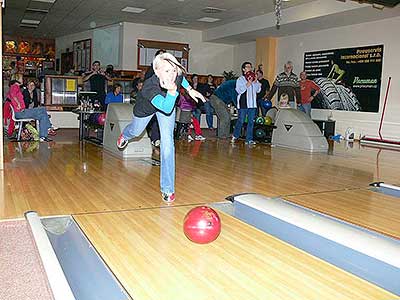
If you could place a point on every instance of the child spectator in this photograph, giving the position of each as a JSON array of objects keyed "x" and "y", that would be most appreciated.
[
  {"x": 187, "y": 105},
  {"x": 284, "y": 101}
]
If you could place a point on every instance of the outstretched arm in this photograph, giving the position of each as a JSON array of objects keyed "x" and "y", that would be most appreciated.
[
  {"x": 195, "y": 95},
  {"x": 165, "y": 104}
]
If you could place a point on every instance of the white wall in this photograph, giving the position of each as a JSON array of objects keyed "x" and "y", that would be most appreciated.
[
  {"x": 244, "y": 52},
  {"x": 204, "y": 58},
  {"x": 380, "y": 32},
  {"x": 100, "y": 48},
  {"x": 106, "y": 45},
  {"x": 67, "y": 41}
]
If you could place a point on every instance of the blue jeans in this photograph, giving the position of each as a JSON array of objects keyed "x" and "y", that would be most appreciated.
[
  {"x": 305, "y": 108},
  {"x": 37, "y": 113},
  {"x": 251, "y": 114},
  {"x": 167, "y": 147},
  {"x": 209, "y": 114}
]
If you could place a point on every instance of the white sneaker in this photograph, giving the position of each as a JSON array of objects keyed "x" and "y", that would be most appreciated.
[
  {"x": 199, "y": 137},
  {"x": 190, "y": 138},
  {"x": 45, "y": 139},
  {"x": 168, "y": 197},
  {"x": 121, "y": 142},
  {"x": 250, "y": 143},
  {"x": 233, "y": 139}
]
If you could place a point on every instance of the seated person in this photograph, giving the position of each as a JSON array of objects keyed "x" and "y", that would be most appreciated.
[
  {"x": 37, "y": 113},
  {"x": 137, "y": 86},
  {"x": 115, "y": 96},
  {"x": 31, "y": 95}
]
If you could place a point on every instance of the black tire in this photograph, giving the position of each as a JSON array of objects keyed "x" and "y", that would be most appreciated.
[{"x": 334, "y": 96}]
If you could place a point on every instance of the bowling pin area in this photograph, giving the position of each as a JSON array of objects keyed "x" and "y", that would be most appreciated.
[{"x": 248, "y": 223}]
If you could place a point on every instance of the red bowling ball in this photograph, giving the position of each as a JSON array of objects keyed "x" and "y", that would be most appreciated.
[
  {"x": 250, "y": 76},
  {"x": 202, "y": 225},
  {"x": 101, "y": 118}
]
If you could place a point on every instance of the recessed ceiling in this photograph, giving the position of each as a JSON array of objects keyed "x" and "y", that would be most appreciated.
[{"x": 71, "y": 16}]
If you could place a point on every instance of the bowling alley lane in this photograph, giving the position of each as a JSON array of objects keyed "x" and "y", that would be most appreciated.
[{"x": 150, "y": 255}]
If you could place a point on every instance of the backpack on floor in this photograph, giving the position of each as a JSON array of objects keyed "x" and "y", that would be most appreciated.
[{"x": 33, "y": 132}]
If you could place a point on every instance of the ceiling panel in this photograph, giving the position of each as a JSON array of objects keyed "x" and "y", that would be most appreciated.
[{"x": 76, "y": 15}]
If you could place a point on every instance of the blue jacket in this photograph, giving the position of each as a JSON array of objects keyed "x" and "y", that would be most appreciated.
[
  {"x": 111, "y": 98},
  {"x": 227, "y": 92}
]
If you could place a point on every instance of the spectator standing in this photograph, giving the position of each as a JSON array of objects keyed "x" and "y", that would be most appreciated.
[
  {"x": 265, "y": 87},
  {"x": 247, "y": 90},
  {"x": 308, "y": 90},
  {"x": 286, "y": 83},
  {"x": 97, "y": 78}
]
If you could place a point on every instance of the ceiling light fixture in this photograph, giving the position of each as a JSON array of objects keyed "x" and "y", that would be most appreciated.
[
  {"x": 212, "y": 10},
  {"x": 135, "y": 10},
  {"x": 46, "y": 1},
  {"x": 208, "y": 20},
  {"x": 28, "y": 21}
]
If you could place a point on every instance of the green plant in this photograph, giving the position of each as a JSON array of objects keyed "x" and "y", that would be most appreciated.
[{"x": 229, "y": 75}]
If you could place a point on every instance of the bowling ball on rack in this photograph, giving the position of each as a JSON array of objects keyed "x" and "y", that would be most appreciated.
[
  {"x": 101, "y": 118},
  {"x": 260, "y": 134},
  {"x": 268, "y": 120},
  {"x": 250, "y": 76},
  {"x": 202, "y": 225},
  {"x": 260, "y": 120}
]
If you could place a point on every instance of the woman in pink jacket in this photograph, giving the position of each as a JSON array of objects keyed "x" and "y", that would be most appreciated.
[{"x": 37, "y": 113}]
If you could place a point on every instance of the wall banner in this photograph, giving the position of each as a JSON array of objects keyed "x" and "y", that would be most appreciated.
[{"x": 350, "y": 78}]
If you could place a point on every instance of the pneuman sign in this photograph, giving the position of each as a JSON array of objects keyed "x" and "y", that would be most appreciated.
[{"x": 350, "y": 78}]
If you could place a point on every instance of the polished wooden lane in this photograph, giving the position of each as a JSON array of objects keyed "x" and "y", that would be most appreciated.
[
  {"x": 146, "y": 247},
  {"x": 365, "y": 208},
  {"x": 69, "y": 178},
  {"x": 149, "y": 254}
]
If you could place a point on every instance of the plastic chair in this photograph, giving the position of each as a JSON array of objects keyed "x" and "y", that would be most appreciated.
[{"x": 19, "y": 122}]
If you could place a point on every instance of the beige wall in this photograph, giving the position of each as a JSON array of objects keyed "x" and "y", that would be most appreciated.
[
  {"x": 244, "y": 52},
  {"x": 64, "y": 42},
  {"x": 204, "y": 58},
  {"x": 373, "y": 33}
]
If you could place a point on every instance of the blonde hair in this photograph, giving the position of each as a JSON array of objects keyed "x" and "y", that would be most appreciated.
[
  {"x": 284, "y": 98},
  {"x": 169, "y": 58}
]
